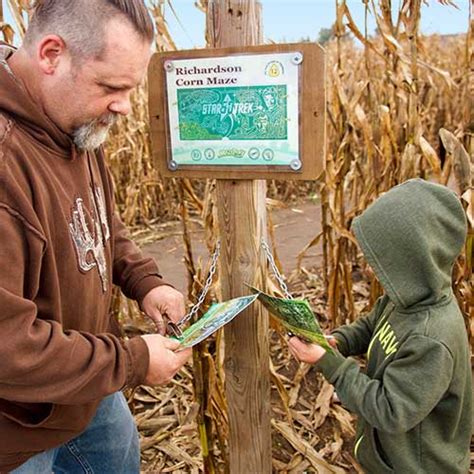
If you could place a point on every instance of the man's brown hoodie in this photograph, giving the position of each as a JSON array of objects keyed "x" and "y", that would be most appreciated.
[{"x": 61, "y": 249}]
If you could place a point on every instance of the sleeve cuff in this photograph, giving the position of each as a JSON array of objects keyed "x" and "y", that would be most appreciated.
[
  {"x": 139, "y": 359},
  {"x": 145, "y": 285},
  {"x": 329, "y": 365},
  {"x": 342, "y": 344}
]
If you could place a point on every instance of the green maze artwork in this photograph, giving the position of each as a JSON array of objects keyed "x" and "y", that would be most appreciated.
[{"x": 233, "y": 113}]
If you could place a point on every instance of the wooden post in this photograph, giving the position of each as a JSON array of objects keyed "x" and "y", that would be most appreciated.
[
  {"x": 234, "y": 29},
  {"x": 243, "y": 223}
]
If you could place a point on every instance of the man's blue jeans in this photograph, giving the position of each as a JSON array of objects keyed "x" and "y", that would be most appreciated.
[{"x": 108, "y": 445}]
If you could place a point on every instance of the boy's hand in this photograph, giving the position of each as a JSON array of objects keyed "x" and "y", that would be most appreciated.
[
  {"x": 331, "y": 341},
  {"x": 305, "y": 352}
]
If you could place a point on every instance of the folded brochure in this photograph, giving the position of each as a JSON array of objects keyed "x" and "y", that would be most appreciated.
[
  {"x": 296, "y": 316},
  {"x": 215, "y": 317}
]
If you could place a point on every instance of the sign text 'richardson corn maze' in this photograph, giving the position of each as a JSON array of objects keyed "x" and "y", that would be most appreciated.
[{"x": 237, "y": 110}]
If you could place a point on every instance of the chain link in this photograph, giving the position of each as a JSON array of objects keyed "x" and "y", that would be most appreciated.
[
  {"x": 205, "y": 290},
  {"x": 275, "y": 270},
  {"x": 176, "y": 328}
]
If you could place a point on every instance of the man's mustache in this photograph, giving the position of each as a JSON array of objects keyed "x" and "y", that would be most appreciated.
[{"x": 106, "y": 120}]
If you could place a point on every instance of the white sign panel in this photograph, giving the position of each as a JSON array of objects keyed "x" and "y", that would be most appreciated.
[{"x": 234, "y": 110}]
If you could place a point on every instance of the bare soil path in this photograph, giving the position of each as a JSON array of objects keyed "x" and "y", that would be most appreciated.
[{"x": 294, "y": 228}]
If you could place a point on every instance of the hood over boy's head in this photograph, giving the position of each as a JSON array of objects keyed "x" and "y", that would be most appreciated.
[{"x": 411, "y": 237}]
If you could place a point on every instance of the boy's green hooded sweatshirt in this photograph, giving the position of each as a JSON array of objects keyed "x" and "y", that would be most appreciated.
[{"x": 414, "y": 402}]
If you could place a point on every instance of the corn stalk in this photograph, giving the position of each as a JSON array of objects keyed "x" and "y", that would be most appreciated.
[{"x": 386, "y": 107}]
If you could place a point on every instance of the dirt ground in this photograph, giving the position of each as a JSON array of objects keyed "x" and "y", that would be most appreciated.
[{"x": 294, "y": 227}]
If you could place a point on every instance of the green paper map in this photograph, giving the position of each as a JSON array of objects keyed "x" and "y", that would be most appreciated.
[
  {"x": 235, "y": 113},
  {"x": 296, "y": 316},
  {"x": 216, "y": 316}
]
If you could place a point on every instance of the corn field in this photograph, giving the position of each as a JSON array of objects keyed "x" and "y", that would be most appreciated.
[{"x": 399, "y": 106}]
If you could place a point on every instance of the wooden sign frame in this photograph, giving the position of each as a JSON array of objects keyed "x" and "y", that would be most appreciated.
[{"x": 312, "y": 115}]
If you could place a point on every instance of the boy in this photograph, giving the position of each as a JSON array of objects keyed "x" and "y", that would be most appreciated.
[{"x": 414, "y": 402}]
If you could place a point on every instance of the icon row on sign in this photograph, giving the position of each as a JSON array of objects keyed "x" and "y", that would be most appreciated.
[
  {"x": 267, "y": 154},
  {"x": 209, "y": 154},
  {"x": 254, "y": 154}
]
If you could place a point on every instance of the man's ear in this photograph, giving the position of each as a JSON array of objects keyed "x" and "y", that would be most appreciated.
[{"x": 50, "y": 50}]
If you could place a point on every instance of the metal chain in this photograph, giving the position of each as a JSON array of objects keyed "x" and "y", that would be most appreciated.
[
  {"x": 176, "y": 328},
  {"x": 275, "y": 270},
  {"x": 207, "y": 286}
]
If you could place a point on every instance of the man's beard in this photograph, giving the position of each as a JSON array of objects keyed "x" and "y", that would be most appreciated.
[{"x": 92, "y": 135}]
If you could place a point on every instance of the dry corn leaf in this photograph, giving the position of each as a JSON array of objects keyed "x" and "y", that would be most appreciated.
[
  {"x": 461, "y": 162},
  {"x": 301, "y": 373},
  {"x": 430, "y": 155},
  {"x": 344, "y": 418},
  {"x": 177, "y": 453},
  {"x": 316, "y": 460},
  {"x": 467, "y": 198},
  {"x": 323, "y": 404}
]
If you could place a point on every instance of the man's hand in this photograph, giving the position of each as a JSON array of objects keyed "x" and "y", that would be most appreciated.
[
  {"x": 164, "y": 362},
  {"x": 305, "y": 352},
  {"x": 164, "y": 301}
]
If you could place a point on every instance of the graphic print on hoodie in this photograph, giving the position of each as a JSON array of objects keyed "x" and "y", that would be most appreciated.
[
  {"x": 90, "y": 245},
  {"x": 61, "y": 248},
  {"x": 414, "y": 403}
]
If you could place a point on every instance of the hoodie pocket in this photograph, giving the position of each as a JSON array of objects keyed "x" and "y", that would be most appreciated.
[
  {"x": 34, "y": 415},
  {"x": 71, "y": 418},
  {"x": 369, "y": 453}
]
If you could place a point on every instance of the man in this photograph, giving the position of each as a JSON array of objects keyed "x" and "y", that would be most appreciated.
[{"x": 62, "y": 245}]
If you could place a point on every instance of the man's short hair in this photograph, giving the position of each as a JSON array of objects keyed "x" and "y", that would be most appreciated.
[{"x": 81, "y": 23}]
